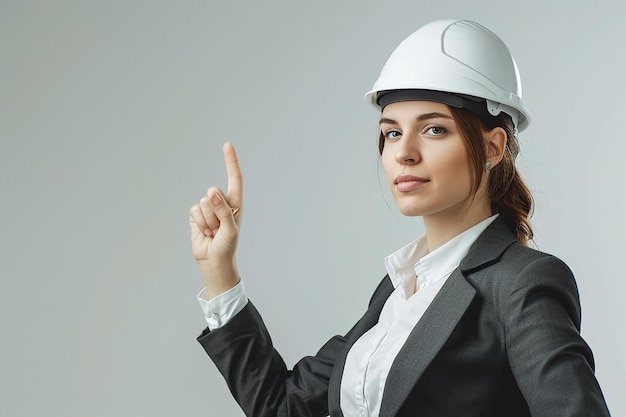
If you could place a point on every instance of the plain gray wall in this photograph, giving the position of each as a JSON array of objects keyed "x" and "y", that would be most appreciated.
[{"x": 112, "y": 116}]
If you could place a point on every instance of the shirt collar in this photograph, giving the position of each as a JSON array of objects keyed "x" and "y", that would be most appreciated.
[{"x": 414, "y": 260}]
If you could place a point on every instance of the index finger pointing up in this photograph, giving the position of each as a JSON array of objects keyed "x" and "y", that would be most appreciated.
[{"x": 235, "y": 179}]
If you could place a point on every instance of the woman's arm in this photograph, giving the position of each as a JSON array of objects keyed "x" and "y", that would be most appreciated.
[
  {"x": 257, "y": 376},
  {"x": 552, "y": 364},
  {"x": 242, "y": 348}
]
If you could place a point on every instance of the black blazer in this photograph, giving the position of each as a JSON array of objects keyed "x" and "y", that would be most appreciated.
[{"x": 500, "y": 339}]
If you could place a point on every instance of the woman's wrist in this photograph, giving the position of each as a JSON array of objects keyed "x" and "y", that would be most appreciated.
[{"x": 218, "y": 278}]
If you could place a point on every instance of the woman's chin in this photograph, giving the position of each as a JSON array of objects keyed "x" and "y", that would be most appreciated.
[{"x": 410, "y": 211}]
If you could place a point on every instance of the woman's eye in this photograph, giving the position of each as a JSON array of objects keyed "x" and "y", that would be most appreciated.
[
  {"x": 392, "y": 134},
  {"x": 436, "y": 130}
]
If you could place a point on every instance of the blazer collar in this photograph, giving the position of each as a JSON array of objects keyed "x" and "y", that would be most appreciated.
[{"x": 489, "y": 246}]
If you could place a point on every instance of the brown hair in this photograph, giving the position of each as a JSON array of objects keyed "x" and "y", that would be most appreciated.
[{"x": 507, "y": 192}]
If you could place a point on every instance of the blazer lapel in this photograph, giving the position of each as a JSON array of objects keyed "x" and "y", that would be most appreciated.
[
  {"x": 432, "y": 331},
  {"x": 369, "y": 319},
  {"x": 488, "y": 247},
  {"x": 434, "y": 328},
  {"x": 425, "y": 341}
]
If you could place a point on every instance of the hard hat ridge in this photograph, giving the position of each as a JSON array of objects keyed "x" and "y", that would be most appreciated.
[{"x": 458, "y": 57}]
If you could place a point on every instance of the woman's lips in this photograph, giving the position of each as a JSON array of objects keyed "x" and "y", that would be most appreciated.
[{"x": 406, "y": 183}]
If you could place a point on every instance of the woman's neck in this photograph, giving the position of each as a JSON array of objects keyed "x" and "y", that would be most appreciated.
[{"x": 442, "y": 227}]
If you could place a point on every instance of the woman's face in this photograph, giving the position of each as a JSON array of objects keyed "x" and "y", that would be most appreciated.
[{"x": 425, "y": 160}]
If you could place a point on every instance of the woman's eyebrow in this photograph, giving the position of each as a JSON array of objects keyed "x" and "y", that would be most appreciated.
[
  {"x": 433, "y": 115},
  {"x": 419, "y": 118},
  {"x": 387, "y": 121}
]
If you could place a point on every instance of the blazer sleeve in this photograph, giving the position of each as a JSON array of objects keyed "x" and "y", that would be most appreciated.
[
  {"x": 552, "y": 364},
  {"x": 257, "y": 376}
]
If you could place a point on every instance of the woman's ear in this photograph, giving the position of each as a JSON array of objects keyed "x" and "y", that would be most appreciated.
[{"x": 495, "y": 144}]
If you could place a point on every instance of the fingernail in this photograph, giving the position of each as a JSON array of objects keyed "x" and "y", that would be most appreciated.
[{"x": 216, "y": 200}]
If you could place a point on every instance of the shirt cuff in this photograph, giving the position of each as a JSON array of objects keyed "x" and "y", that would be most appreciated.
[{"x": 219, "y": 310}]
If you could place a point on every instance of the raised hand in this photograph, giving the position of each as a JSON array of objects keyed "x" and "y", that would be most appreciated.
[{"x": 215, "y": 222}]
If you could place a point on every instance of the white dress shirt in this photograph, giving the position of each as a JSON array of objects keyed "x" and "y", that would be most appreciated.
[{"x": 417, "y": 277}]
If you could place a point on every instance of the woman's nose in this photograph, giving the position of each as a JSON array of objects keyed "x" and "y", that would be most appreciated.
[{"x": 407, "y": 151}]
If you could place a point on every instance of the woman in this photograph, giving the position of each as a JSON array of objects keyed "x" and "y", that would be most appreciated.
[{"x": 469, "y": 320}]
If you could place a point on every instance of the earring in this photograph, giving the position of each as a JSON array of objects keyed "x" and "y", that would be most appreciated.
[{"x": 488, "y": 165}]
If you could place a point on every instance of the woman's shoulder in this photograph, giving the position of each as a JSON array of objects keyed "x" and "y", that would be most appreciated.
[
  {"x": 521, "y": 257},
  {"x": 525, "y": 270}
]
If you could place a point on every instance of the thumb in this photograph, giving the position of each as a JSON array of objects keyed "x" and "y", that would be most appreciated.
[{"x": 224, "y": 214}]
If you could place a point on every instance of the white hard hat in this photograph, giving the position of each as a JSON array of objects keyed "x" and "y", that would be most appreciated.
[{"x": 459, "y": 57}]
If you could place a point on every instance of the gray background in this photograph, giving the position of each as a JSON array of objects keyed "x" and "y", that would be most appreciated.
[{"x": 112, "y": 116}]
